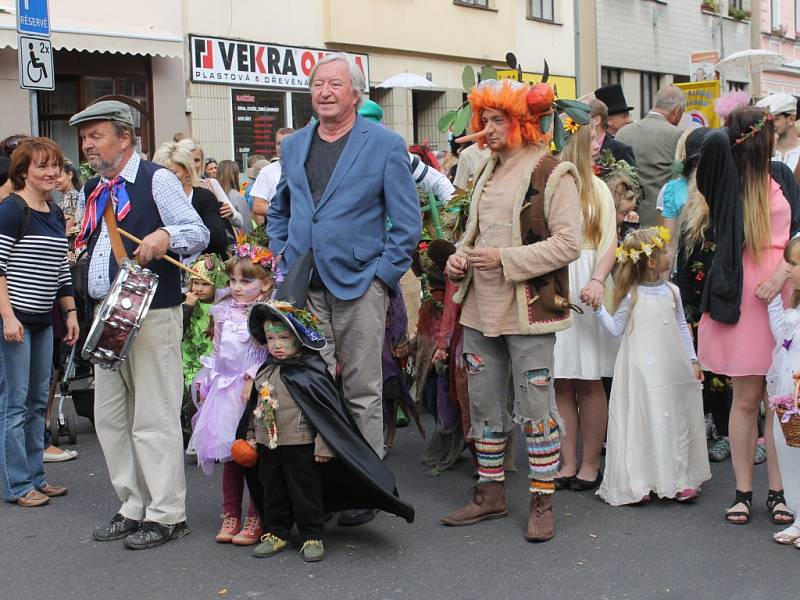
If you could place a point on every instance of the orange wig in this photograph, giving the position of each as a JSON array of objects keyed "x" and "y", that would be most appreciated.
[{"x": 524, "y": 105}]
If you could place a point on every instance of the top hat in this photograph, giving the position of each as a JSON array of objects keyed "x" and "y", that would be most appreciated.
[{"x": 613, "y": 98}]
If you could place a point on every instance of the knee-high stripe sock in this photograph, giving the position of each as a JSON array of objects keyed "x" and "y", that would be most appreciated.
[
  {"x": 490, "y": 448},
  {"x": 544, "y": 450}
]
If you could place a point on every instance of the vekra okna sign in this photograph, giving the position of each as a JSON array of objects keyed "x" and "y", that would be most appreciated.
[{"x": 242, "y": 63}]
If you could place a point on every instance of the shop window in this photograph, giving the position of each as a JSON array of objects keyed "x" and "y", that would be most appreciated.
[
  {"x": 541, "y": 9},
  {"x": 609, "y": 76},
  {"x": 257, "y": 116},
  {"x": 648, "y": 86},
  {"x": 302, "y": 112}
]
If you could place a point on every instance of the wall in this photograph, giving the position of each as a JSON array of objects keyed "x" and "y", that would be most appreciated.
[
  {"x": 17, "y": 120},
  {"x": 659, "y": 37},
  {"x": 788, "y": 78},
  {"x": 169, "y": 104}
]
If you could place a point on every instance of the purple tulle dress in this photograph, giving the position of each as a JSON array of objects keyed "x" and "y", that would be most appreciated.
[{"x": 221, "y": 381}]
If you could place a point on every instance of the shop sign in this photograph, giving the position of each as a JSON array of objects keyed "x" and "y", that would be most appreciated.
[
  {"x": 257, "y": 115},
  {"x": 700, "y": 96},
  {"x": 237, "y": 62},
  {"x": 565, "y": 87},
  {"x": 701, "y": 65}
]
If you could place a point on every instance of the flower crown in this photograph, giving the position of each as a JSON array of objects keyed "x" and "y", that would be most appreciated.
[
  {"x": 250, "y": 246},
  {"x": 753, "y": 129},
  {"x": 659, "y": 240},
  {"x": 301, "y": 318},
  {"x": 212, "y": 267}
]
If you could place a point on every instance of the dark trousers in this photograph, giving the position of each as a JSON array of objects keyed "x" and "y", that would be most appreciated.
[{"x": 292, "y": 485}]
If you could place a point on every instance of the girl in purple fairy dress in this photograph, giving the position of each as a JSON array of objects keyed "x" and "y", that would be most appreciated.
[{"x": 225, "y": 381}]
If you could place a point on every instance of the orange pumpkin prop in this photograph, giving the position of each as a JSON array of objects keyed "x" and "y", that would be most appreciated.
[{"x": 244, "y": 454}]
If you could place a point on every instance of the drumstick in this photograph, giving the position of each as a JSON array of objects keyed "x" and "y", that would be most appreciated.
[{"x": 169, "y": 259}]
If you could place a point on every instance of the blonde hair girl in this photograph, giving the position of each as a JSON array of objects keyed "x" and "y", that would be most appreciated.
[{"x": 656, "y": 432}]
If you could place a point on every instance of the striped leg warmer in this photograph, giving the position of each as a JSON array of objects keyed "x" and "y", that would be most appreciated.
[
  {"x": 544, "y": 449},
  {"x": 491, "y": 451}
]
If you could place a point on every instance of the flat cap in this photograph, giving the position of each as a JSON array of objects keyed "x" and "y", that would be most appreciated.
[
  {"x": 106, "y": 110},
  {"x": 779, "y": 103}
]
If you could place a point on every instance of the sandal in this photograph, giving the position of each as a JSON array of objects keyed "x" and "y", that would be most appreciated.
[
  {"x": 780, "y": 516},
  {"x": 740, "y": 517},
  {"x": 789, "y": 536}
]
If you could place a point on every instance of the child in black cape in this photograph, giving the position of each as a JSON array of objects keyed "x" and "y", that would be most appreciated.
[{"x": 312, "y": 458}]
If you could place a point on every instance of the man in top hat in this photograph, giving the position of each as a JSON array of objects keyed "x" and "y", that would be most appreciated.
[
  {"x": 137, "y": 408},
  {"x": 783, "y": 108},
  {"x": 604, "y": 140},
  {"x": 619, "y": 113}
]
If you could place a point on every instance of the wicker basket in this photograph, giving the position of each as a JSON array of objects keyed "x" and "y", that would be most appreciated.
[{"x": 790, "y": 424}]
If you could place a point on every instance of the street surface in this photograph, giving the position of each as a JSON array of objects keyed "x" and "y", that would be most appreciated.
[{"x": 660, "y": 551}]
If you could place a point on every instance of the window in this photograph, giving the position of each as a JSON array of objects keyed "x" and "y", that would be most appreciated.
[
  {"x": 541, "y": 9},
  {"x": 737, "y": 86},
  {"x": 609, "y": 76},
  {"x": 797, "y": 15},
  {"x": 737, "y": 4},
  {"x": 648, "y": 86},
  {"x": 775, "y": 14},
  {"x": 483, "y": 3}
]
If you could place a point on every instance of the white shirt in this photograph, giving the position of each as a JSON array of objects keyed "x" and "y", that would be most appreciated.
[
  {"x": 431, "y": 180},
  {"x": 790, "y": 158},
  {"x": 267, "y": 181}
]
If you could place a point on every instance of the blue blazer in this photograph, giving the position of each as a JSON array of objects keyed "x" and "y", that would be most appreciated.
[{"x": 346, "y": 231}]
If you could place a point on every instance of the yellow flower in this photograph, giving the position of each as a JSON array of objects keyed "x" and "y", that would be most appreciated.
[
  {"x": 664, "y": 233},
  {"x": 658, "y": 242},
  {"x": 621, "y": 254},
  {"x": 634, "y": 255},
  {"x": 647, "y": 249},
  {"x": 570, "y": 125}
]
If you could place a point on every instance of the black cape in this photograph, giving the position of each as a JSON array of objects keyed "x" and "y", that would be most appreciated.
[{"x": 357, "y": 478}]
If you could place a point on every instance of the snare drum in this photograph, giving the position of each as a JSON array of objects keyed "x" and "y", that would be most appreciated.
[{"x": 120, "y": 316}]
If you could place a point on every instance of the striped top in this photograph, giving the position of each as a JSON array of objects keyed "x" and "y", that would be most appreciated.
[{"x": 35, "y": 267}]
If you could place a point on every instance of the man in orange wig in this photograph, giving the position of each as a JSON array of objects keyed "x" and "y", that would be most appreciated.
[{"x": 523, "y": 231}]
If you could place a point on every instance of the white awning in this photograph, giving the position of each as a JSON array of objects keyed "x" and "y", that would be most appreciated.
[{"x": 114, "y": 42}]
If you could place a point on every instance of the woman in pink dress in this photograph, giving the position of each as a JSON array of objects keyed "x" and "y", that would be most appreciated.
[{"x": 755, "y": 207}]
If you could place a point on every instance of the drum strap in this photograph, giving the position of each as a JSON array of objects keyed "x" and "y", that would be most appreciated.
[{"x": 116, "y": 240}]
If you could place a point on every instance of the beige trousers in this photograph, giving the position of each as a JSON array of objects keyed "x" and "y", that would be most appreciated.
[
  {"x": 354, "y": 330},
  {"x": 137, "y": 417}
]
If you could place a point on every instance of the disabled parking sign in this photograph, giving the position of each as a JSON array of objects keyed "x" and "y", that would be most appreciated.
[{"x": 35, "y": 63}]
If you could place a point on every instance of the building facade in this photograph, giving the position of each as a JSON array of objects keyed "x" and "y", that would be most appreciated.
[
  {"x": 779, "y": 31},
  {"x": 236, "y": 114},
  {"x": 230, "y": 74},
  {"x": 101, "y": 50},
  {"x": 646, "y": 44}
]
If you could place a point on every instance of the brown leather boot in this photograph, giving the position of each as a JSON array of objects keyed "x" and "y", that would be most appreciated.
[
  {"x": 488, "y": 502},
  {"x": 541, "y": 519}
]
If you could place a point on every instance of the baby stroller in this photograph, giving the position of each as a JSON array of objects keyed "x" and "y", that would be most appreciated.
[{"x": 76, "y": 380}]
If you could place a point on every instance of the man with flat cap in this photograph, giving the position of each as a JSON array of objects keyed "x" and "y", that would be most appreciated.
[
  {"x": 619, "y": 113},
  {"x": 783, "y": 108},
  {"x": 137, "y": 408}
]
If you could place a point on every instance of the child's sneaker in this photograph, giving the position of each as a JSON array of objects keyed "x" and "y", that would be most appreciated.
[
  {"x": 312, "y": 551},
  {"x": 250, "y": 533},
  {"x": 230, "y": 527},
  {"x": 270, "y": 545}
]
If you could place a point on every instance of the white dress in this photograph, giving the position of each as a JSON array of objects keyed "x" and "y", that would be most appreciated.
[
  {"x": 586, "y": 350},
  {"x": 656, "y": 432},
  {"x": 785, "y": 327}
]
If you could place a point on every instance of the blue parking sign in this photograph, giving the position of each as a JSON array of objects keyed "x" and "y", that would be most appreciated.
[{"x": 33, "y": 17}]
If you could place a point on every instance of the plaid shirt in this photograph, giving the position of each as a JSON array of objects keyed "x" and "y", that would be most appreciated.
[{"x": 187, "y": 233}]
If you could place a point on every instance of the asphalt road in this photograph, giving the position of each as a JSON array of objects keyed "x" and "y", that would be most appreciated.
[{"x": 660, "y": 551}]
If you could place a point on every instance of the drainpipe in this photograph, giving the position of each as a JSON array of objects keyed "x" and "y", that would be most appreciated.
[
  {"x": 755, "y": 43},
  {"x": 576, "y": 18}
]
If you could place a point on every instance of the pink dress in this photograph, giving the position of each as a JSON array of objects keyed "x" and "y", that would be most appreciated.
[
  {"x": 746, "y": 347},
  {"x": 221, "y": 380}
]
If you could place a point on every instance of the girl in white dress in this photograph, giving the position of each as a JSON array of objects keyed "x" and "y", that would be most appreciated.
[
  {"x": 585, "y": 353},
  {"x": 781, "y": 381},
  {"x": 656, "y": 432}
]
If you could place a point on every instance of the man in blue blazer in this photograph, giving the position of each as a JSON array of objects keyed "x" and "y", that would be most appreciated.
[{"x": 340, "y": 181}]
